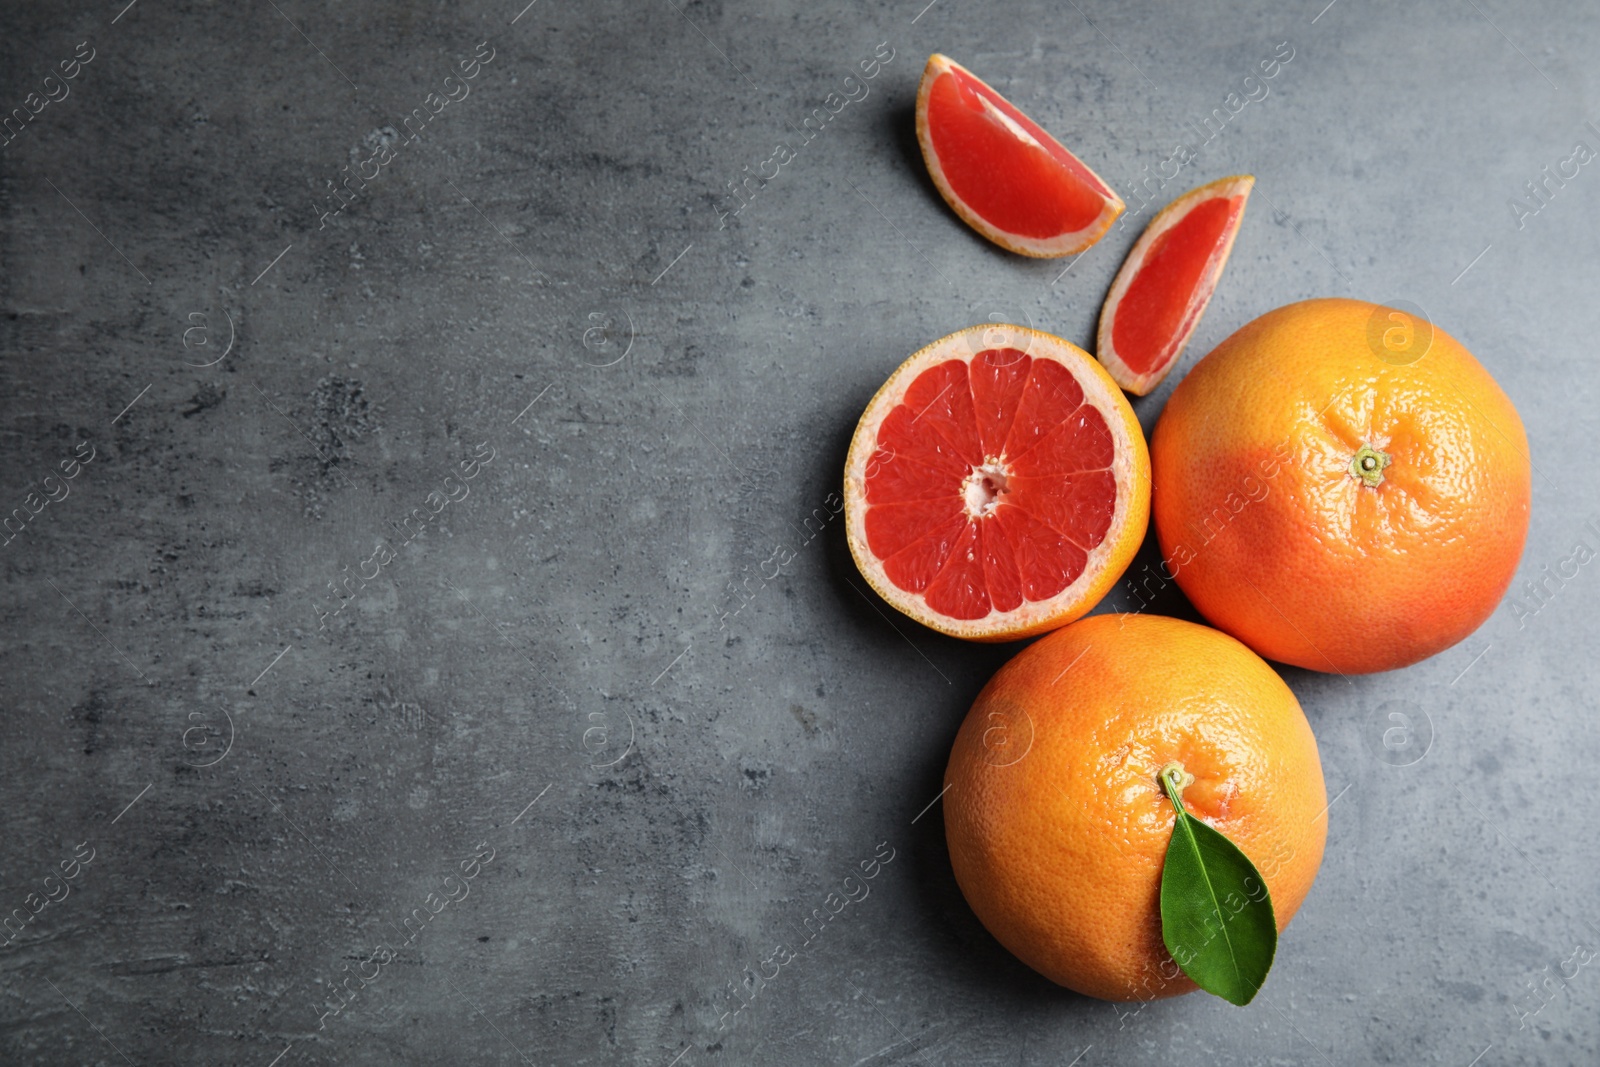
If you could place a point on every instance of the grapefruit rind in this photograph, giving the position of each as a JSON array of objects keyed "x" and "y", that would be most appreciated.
[
  {"x": 1055, "y": 821},
  {"x": 1140, "y": 384},
  {"x": 1065, "y": 244},
  {"x": 1130, "y": 467},
  {"x": 1324, "y": 572}
]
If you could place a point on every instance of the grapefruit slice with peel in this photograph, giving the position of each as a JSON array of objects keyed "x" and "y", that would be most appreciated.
[
  {"x": 1167, "y": 280},
  {"x": 1000, "y": 172},
  {"x": 997, "y": 485}
]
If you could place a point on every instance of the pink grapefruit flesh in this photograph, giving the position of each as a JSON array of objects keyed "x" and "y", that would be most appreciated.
[
  {"x": 1164, "y": 285},
  {"x": 996, "y": 491},
  {"x": 1004, "y": 175}
]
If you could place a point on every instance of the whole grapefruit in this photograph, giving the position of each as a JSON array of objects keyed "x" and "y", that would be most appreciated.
[
  {"x": 1342, "y": 487},
  {"x": 1054, "y": 811}
]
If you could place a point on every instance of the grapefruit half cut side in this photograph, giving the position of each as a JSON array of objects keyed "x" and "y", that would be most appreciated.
[
  {"x": 1165, "y": 283},
  {"x": 1000, "y": 172},
  {"x": 997, "y": 485}
]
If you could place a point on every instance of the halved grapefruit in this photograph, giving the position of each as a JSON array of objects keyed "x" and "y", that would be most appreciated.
[
  {"x": 1166, "y": 282},
  {"x": 1000, "y": 172},
  {"x": 997, "y": 485}
]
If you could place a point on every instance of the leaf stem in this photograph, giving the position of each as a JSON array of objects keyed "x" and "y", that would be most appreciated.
[{"x": 1174, "y": 779}]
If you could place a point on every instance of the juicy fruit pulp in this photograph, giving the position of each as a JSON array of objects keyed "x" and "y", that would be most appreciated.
[
  {"x": 1003, "y": 166},
  {"x": 1151, "y": 318},
  {"x": 1164, "y": 286},
  {"x": 997, "y": 485},
  {"x": 1002, "y": 173},
  {"x": 1001, "y": 493}
]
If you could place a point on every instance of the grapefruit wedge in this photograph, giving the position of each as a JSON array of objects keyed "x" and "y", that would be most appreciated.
[
  {"x": 1166, "y": 282},
  {"x": 1000, "y": 172},
  {"x": 997, "y": 485}
]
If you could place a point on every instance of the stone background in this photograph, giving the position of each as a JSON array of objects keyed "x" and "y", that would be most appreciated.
[{"x": 556, "y": 676}]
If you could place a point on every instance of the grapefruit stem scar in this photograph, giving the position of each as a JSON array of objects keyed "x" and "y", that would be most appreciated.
[
  {"x": 1368, "y": 464},
  {"x": 1175, "y": 779}
]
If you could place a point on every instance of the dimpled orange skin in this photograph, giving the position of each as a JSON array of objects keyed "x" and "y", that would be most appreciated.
[
  {"x": 1275, "y": 541},
  {"x": 1056, "y": 820}
]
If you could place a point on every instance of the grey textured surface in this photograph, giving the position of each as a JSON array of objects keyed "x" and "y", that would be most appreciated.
[{"x": 666, "y": 399}]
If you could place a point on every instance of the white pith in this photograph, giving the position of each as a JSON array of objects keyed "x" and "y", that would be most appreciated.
[
  {"x": 1011, "y": 124},
  {"x": 985, "y": 487}
]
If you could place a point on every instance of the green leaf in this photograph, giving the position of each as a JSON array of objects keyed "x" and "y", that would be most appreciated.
[{"x": 1216, "y": 913}]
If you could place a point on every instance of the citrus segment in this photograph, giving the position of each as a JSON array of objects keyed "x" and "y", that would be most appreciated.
[
  {"x": 1005, "y": 176},
  {"x": 1173, "y": 268},
  {"x": 996, "y": 491},
  {"x": 1003, "y": 166},
  {"x": 997, "y": 387},
  {"x": 1164, "y": 285}
]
